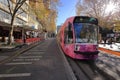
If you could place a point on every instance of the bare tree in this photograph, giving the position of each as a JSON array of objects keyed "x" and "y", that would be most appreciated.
[
  {"x": 78, "y": 8},
  {"x": 97, "y": 8},
  {"x": 14, "y": 6},
  {"x": 117, "y": 14}
]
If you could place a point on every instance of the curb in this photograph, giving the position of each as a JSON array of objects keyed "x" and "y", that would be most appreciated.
[
  {"x": 110, "y": 51},
  {"x": 71, "y": 75}
]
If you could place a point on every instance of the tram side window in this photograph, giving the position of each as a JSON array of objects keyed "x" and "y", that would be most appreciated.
[
  {"x": 65, "y": 35},
  {"x": 68, "y": 34}
]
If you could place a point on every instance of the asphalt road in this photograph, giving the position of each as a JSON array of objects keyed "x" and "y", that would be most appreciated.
[{"x": 43, "y": 62}]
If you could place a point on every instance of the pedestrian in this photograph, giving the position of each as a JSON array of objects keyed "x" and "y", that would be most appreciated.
[
  {"x": 110, "y": 42},
  {"x": 45, "y": 34}
]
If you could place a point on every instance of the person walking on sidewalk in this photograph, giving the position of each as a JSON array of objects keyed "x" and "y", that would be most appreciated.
[
  {"x": 45, "y": 34},
  {"x": 110, "y": 40}
]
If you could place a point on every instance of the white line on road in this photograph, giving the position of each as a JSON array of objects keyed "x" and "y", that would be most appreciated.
[
  {"x": 33, "y": 59},
  {"x": 18, "y": 63},
  {"x": 41, "y": 52},
  {"x": 15, "y": 75},
  {"x": 3, "y": 57},
  {"x": 18, "y": 60},
  {"x": 36, "y": 59},
  {"x": 30, "y": 57}
]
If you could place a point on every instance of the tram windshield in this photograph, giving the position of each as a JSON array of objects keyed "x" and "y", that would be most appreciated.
[{"x": 86, "y": 33}]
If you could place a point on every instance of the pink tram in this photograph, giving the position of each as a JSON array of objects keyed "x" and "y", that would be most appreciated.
[{"x": 78, "y": 37}]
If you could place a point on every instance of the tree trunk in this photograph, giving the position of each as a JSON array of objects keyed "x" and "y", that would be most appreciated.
[{"x": 11, "y": 31}]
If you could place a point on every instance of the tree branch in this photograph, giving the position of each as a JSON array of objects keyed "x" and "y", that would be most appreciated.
[
  {"x": 18, "y": 5},
  {"x": 9, "y": 7},
  {"x": 19, "y": 13}
]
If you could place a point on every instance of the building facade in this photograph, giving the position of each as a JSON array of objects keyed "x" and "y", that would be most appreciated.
[{"x": 26, "y": 21}]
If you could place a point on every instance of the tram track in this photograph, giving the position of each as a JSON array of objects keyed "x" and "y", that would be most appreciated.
[
  {"x": 88, "y": 70},
  {"x": 76, "y": 70},
  {"x": 80, "y": 73}
]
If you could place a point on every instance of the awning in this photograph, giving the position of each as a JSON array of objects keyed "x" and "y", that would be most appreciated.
[{"x": 4, "y": 24}]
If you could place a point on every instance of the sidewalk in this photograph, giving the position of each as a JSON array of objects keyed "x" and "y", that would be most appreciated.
[
  {"x": 28, "y": 41},
  {"x": 19, "y": 43},
  {"x": 113, "y": 47}
]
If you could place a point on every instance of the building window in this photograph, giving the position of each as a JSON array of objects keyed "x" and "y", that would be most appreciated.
[
  {"x": 4, "y": 15},
  {"x": 4, "y": 2},
  {"x": 22, "y": 13},
  {"x": 19, "y": 21}
]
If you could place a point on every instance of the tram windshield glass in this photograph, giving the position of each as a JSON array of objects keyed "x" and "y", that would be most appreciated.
[
  {"x": 85, "y": 19},
  {"x": 86, "y": 33}
]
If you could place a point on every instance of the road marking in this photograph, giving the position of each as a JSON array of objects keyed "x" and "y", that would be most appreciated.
[
  {"x": 15, "y": 75},
  {"x": 18, "y": 63},
  {"x": 30, "y": 57},
  {"x": 3, "y": 57},
  {"x": 41, "y": 52},
  {"x": 37, "y": 51},
  {"x": 18, "y": 60}
]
